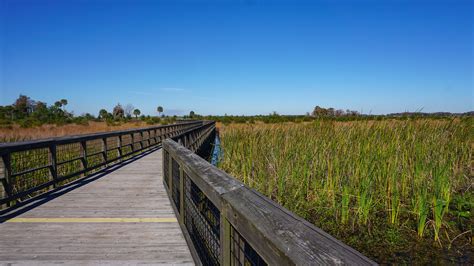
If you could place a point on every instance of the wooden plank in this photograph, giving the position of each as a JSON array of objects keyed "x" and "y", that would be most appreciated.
[{"x": 124, "y": 217}]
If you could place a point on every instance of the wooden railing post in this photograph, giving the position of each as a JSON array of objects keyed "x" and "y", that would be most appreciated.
[
  {"x": 225, "y": 240},
  {"x": 5, "y": 171},
  {"x": 181, "y": 195},
  {"x": 54, "y": 163},
  {"x": 141, "y": 140},
  {"x": 84, "y": 157},
  {"x": 119, "y": 144},
  {"x": 149, "y": 138},
  {"x": 170, "y": 174},
  {"x": 133, "y": 141},
  {"x": 104, "y": 150}
]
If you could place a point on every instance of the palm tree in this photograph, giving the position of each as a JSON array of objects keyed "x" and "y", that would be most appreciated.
[
  {"x": 136, "y": 112},
  {"x": 159, "y": 109},
  {"x": 103, "y": 113}
]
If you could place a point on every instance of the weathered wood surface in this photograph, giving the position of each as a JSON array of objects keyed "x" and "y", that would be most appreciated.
[{"x": 132, "y": 191}]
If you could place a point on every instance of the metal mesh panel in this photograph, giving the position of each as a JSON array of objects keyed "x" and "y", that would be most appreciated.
[
  {"x": 69, "y": 159},
  {"x": 175, "y": 184},
  {"x": 94, "y": 146},
  {"x": 146, "y": 136},
  {"x": 152, "y": 135},
  {"x": 166, "y": 168},
  {"x": 202, "y": 221},
  {"x": 241, "y": 252},
  {"x": 112, "y": 148},
  {"x": 23, "y": 164},
  {"x": 136, "y": 139},
  {"x": 94, "y": 157},
  {"x": 126, "y": 141}
]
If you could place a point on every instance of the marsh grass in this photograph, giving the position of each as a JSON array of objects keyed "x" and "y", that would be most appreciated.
[
  {"x": 14, "y": 133},
  {"x": 363, "y": 180}
]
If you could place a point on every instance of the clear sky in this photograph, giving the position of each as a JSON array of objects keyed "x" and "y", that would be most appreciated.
[{"x": 240, "y": 57}]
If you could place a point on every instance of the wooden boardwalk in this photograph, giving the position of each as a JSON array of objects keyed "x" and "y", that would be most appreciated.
[{"x": 122, "y": 217}]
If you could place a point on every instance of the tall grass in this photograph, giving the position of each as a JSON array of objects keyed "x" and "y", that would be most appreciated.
[
  {"x": 362, "y": 177},
  {"x": 16, "y": 133}
]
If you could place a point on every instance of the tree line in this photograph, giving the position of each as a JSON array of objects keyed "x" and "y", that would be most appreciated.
[{"x": 28, "y": 112}]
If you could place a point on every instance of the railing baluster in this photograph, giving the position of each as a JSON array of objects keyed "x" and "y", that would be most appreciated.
[
  {"x": 119, "y": 145},
  {"x": 181, "y": 195},
  {"x": 132, "y": 137},
  {"x": 104, "y": 148},
  {"x": 53, "y": 163},
  {"x": 84, "y": 157},
  {"x": 225, "y": 241},
  {"x": 7, "y": 171}
]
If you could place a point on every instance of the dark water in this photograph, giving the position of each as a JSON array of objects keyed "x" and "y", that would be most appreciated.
[{"x": 216, "y": 151}]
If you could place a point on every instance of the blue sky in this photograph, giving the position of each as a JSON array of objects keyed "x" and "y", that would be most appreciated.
[{"x": 240, "y": 57}]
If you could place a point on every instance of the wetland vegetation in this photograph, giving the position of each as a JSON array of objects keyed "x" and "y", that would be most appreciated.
[{"x": 399, "y": 191}]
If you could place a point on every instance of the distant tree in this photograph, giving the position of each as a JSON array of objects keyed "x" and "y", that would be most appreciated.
[
  {"x": 331, "y": 112},
  {"x": 339, "y": 112},
  {"x": 136, "y": 112},
  {"x": 129, "y": 108},
  {"x": 40, "y": 112},
  {"x": 89, "y": 116},
  {"x": 63, "y": 103},
  {"x": 7, "y": 112},
  {"x": 23, "y": 106},
  {"x": 118, "y": 111},
  {"x": 355, "y": 113},
  {"x": 103, "y": 113},
  {"x": 319, "y": 111},
  {"x": 191, "y": 114},
  {"x": 159, "y": 109},
  {"x": 58, "y": 104}
]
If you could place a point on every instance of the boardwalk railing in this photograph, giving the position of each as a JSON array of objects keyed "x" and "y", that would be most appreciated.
[
  {"x": 32, "y": 167},
  {"x": 225, "y": 222}
]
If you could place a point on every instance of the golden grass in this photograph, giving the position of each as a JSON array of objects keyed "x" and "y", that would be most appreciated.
[{"x": 16, "y": 133}]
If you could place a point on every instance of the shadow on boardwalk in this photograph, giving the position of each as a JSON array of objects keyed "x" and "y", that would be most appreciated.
[{"x": 39, "y": 200}]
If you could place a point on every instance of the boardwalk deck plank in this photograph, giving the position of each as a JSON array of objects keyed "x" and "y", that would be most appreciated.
[{"x": 132, "y": 191}]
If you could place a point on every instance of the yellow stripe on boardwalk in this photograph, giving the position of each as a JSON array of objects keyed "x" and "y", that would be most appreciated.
[{"x": 92, "y": 220}]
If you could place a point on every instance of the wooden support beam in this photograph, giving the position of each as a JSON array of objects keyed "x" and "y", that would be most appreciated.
[
  {"x": 5, "y": 189},
  {"x": 119, "y": 144},
  {"x": 104, "y": 149},
  {"x": 181, "y": 195},
  {"x": 53, "y": 164},
  {"x": 84, "y": 156}
]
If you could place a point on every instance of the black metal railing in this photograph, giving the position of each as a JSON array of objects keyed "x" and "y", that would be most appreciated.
[
  {"x": 30, "y": 168},
  {"x": 227, "y": 223},
  {"x": 202, "y": 221}
]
